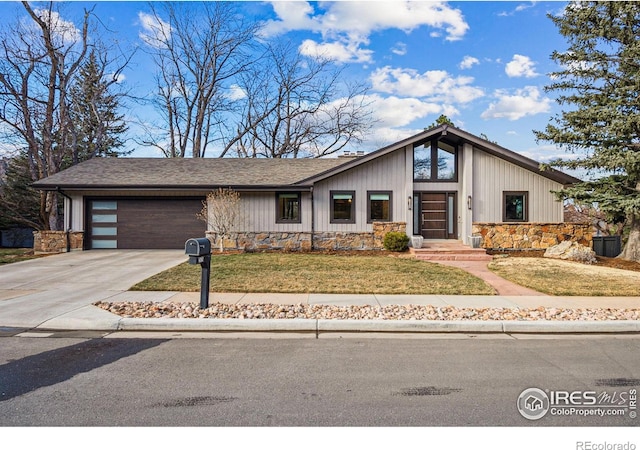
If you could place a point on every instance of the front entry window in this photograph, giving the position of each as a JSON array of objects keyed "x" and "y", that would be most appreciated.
[{"x": 435, "y": 161}]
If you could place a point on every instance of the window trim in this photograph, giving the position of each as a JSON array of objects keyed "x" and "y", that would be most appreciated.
[
  {"x": 369, "y": 194},
  {"x": 281, "y": 220},
  {"x": 525, "y": 212},
  {"x": 332, "y": 218},
  {"x": 434, "y": 167}
]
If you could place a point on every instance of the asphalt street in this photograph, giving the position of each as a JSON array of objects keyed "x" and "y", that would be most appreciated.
[{"x": 170, "y": 380}]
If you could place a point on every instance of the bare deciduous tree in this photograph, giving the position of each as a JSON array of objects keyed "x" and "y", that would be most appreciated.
[
  {"x": 221, "y": 212},
  {"x": 198, "y": 57},
  {"x": 299, "y": 107}
]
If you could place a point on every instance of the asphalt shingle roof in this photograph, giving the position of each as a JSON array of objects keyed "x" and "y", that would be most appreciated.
[{"x": 187, "y": 172}]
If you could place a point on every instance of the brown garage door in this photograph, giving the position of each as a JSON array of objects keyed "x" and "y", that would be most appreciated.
[{"x": 143, "y": 223}]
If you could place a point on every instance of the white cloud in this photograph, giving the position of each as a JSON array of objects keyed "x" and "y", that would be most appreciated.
[
  {"x": 468, "y": 62},
  {"x": 236, "y": 93},
  {"x": 118, "y": 77},
  {"x": 399, "y": 49},
  {"x": 350, "y": 51},
  {"x": 519, "y": 8},
  {"x": 364, "y": 18},
  {"x": 65, "y": 31},
  {"x": 154, "y": 31},
  {"x": 392, "y": 111},
  {"x": 524, "y": 102},
  {"x": 521, "y": 66},
  {"x": 346, "y": 26},
  {"x": 547, "y": 153},
  {"x": 436, "y": 85}
]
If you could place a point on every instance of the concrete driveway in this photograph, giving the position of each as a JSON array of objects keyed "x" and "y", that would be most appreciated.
[{"x": 34, "y": 291}]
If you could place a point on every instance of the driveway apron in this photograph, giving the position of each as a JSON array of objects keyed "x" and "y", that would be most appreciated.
[{"x": 34, "y": 291}]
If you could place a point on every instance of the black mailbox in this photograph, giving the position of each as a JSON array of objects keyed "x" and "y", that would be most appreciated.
[
  {"x": 199, "y": 252},
  {"x": 197, "y": 247}
]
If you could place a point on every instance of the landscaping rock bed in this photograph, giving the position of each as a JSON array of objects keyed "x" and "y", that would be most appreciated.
[{"x": 393, "y": 312}]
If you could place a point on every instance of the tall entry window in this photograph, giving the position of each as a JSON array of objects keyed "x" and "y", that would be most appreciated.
[
  {"x": 515, "y": 207},
  {"x": 343, "y": 207},
  {"x": 435, "y": 161}
]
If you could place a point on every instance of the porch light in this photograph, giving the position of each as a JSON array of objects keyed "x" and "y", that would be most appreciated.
[
  {"x": 409, "y": 203},
  {"x": 469, "y": 202}
]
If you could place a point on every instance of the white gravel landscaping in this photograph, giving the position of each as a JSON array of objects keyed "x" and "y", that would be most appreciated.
[{"x": 392, "y": 312}]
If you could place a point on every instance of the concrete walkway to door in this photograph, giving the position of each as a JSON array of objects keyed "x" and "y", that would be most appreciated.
[
  {"x": 34, "y": 291},
  {"x": 480, "y": 270}
]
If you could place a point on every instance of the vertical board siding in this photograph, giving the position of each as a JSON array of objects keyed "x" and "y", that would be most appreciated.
[
  {"x": 258, "y": 213},
  {"x": 492, "y": 176},
  {"x": 386, "y": 173}
]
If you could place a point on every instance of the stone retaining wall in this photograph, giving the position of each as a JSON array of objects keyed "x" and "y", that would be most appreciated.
[
  {"x": 56, "y": 241},
  {"x": 263, "y": 241},
  {"x": 521, "y": 236},
  {"x": 329, "y": 240}
]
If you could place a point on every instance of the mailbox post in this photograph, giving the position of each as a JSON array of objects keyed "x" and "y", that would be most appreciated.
[{"x": 199, "y": 252}]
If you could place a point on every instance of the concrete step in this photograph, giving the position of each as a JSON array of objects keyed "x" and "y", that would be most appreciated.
[{"x": 450, "y": 252}]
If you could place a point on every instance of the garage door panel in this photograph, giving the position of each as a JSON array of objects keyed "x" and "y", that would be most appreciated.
[{"x": 154, "y": 223}]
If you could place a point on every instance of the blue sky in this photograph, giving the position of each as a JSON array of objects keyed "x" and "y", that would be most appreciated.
[{"x": 484, "y": 64}]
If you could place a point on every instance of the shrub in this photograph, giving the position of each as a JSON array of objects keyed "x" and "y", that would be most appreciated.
[{"x": 396, "y": 241}]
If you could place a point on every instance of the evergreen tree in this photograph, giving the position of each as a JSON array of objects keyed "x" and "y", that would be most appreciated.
[
  {"x": 442, "y": 120},
  {"x": 19, "y": 202},
  {"x": 598, "y": 87},
  {"x": 96, "y": 126}
]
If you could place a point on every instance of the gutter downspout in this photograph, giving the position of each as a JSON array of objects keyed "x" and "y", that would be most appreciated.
[
  {"x": 313, "y": 218},
  {"x": 68, "y": 230}
]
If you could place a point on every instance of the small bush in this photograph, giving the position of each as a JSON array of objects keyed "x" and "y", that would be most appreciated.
[
  {"x": 396, "y": 241},
  {"x": 580, "y": 253}
]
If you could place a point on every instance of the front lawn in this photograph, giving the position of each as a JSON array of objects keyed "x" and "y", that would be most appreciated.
[
  {"x": 320, "y": 273},
  {"x": 11, "y": 255},
  {"x": 556, "y": 277}
]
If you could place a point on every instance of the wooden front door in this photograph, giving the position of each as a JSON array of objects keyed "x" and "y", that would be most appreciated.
[{"x": 438, "y": 215}]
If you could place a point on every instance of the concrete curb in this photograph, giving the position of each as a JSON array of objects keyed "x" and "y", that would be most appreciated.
[
  {"x": 292, "y": 325},
  {"x": 384, "y": 326}
]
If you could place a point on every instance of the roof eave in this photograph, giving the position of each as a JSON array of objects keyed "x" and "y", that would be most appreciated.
[{"x": 173, "y": 188}]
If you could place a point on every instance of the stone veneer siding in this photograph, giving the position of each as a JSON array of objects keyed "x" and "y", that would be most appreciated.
[
  {"x": 521, "y": 236},
  {"x": 56, "y": 241},
  {"x": 291, "y": 241}
]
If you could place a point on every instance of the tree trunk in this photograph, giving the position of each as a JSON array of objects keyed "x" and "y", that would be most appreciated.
[{"x": 631, "y": 250}]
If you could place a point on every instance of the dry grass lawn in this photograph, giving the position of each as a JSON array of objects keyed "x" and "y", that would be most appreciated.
[
  {"x": 556, "y": 277},
  {"x": 11, "y": 255},
  {"x": 320, "y": 273}
]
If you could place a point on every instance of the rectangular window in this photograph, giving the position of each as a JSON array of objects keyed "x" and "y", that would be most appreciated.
[
  {"x": 105, "y": 231},
  {"x": 435, "y": 161},
  {"x": 422, "y": 162},
  {"x": 104, "y": 218},
  {"x": 343, "y": 207},
  {"x": 446, "y": 158},
  {"x": 105, "y": 204},
  {"x": 379, "y": 206},
  {"x": 95, "y": 244},
  {"x": 288, "y": 207},
  {"x": 515, "y": 206}
]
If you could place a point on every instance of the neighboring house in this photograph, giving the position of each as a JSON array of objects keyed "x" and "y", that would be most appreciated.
[{"x": 436, "y": 184}]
